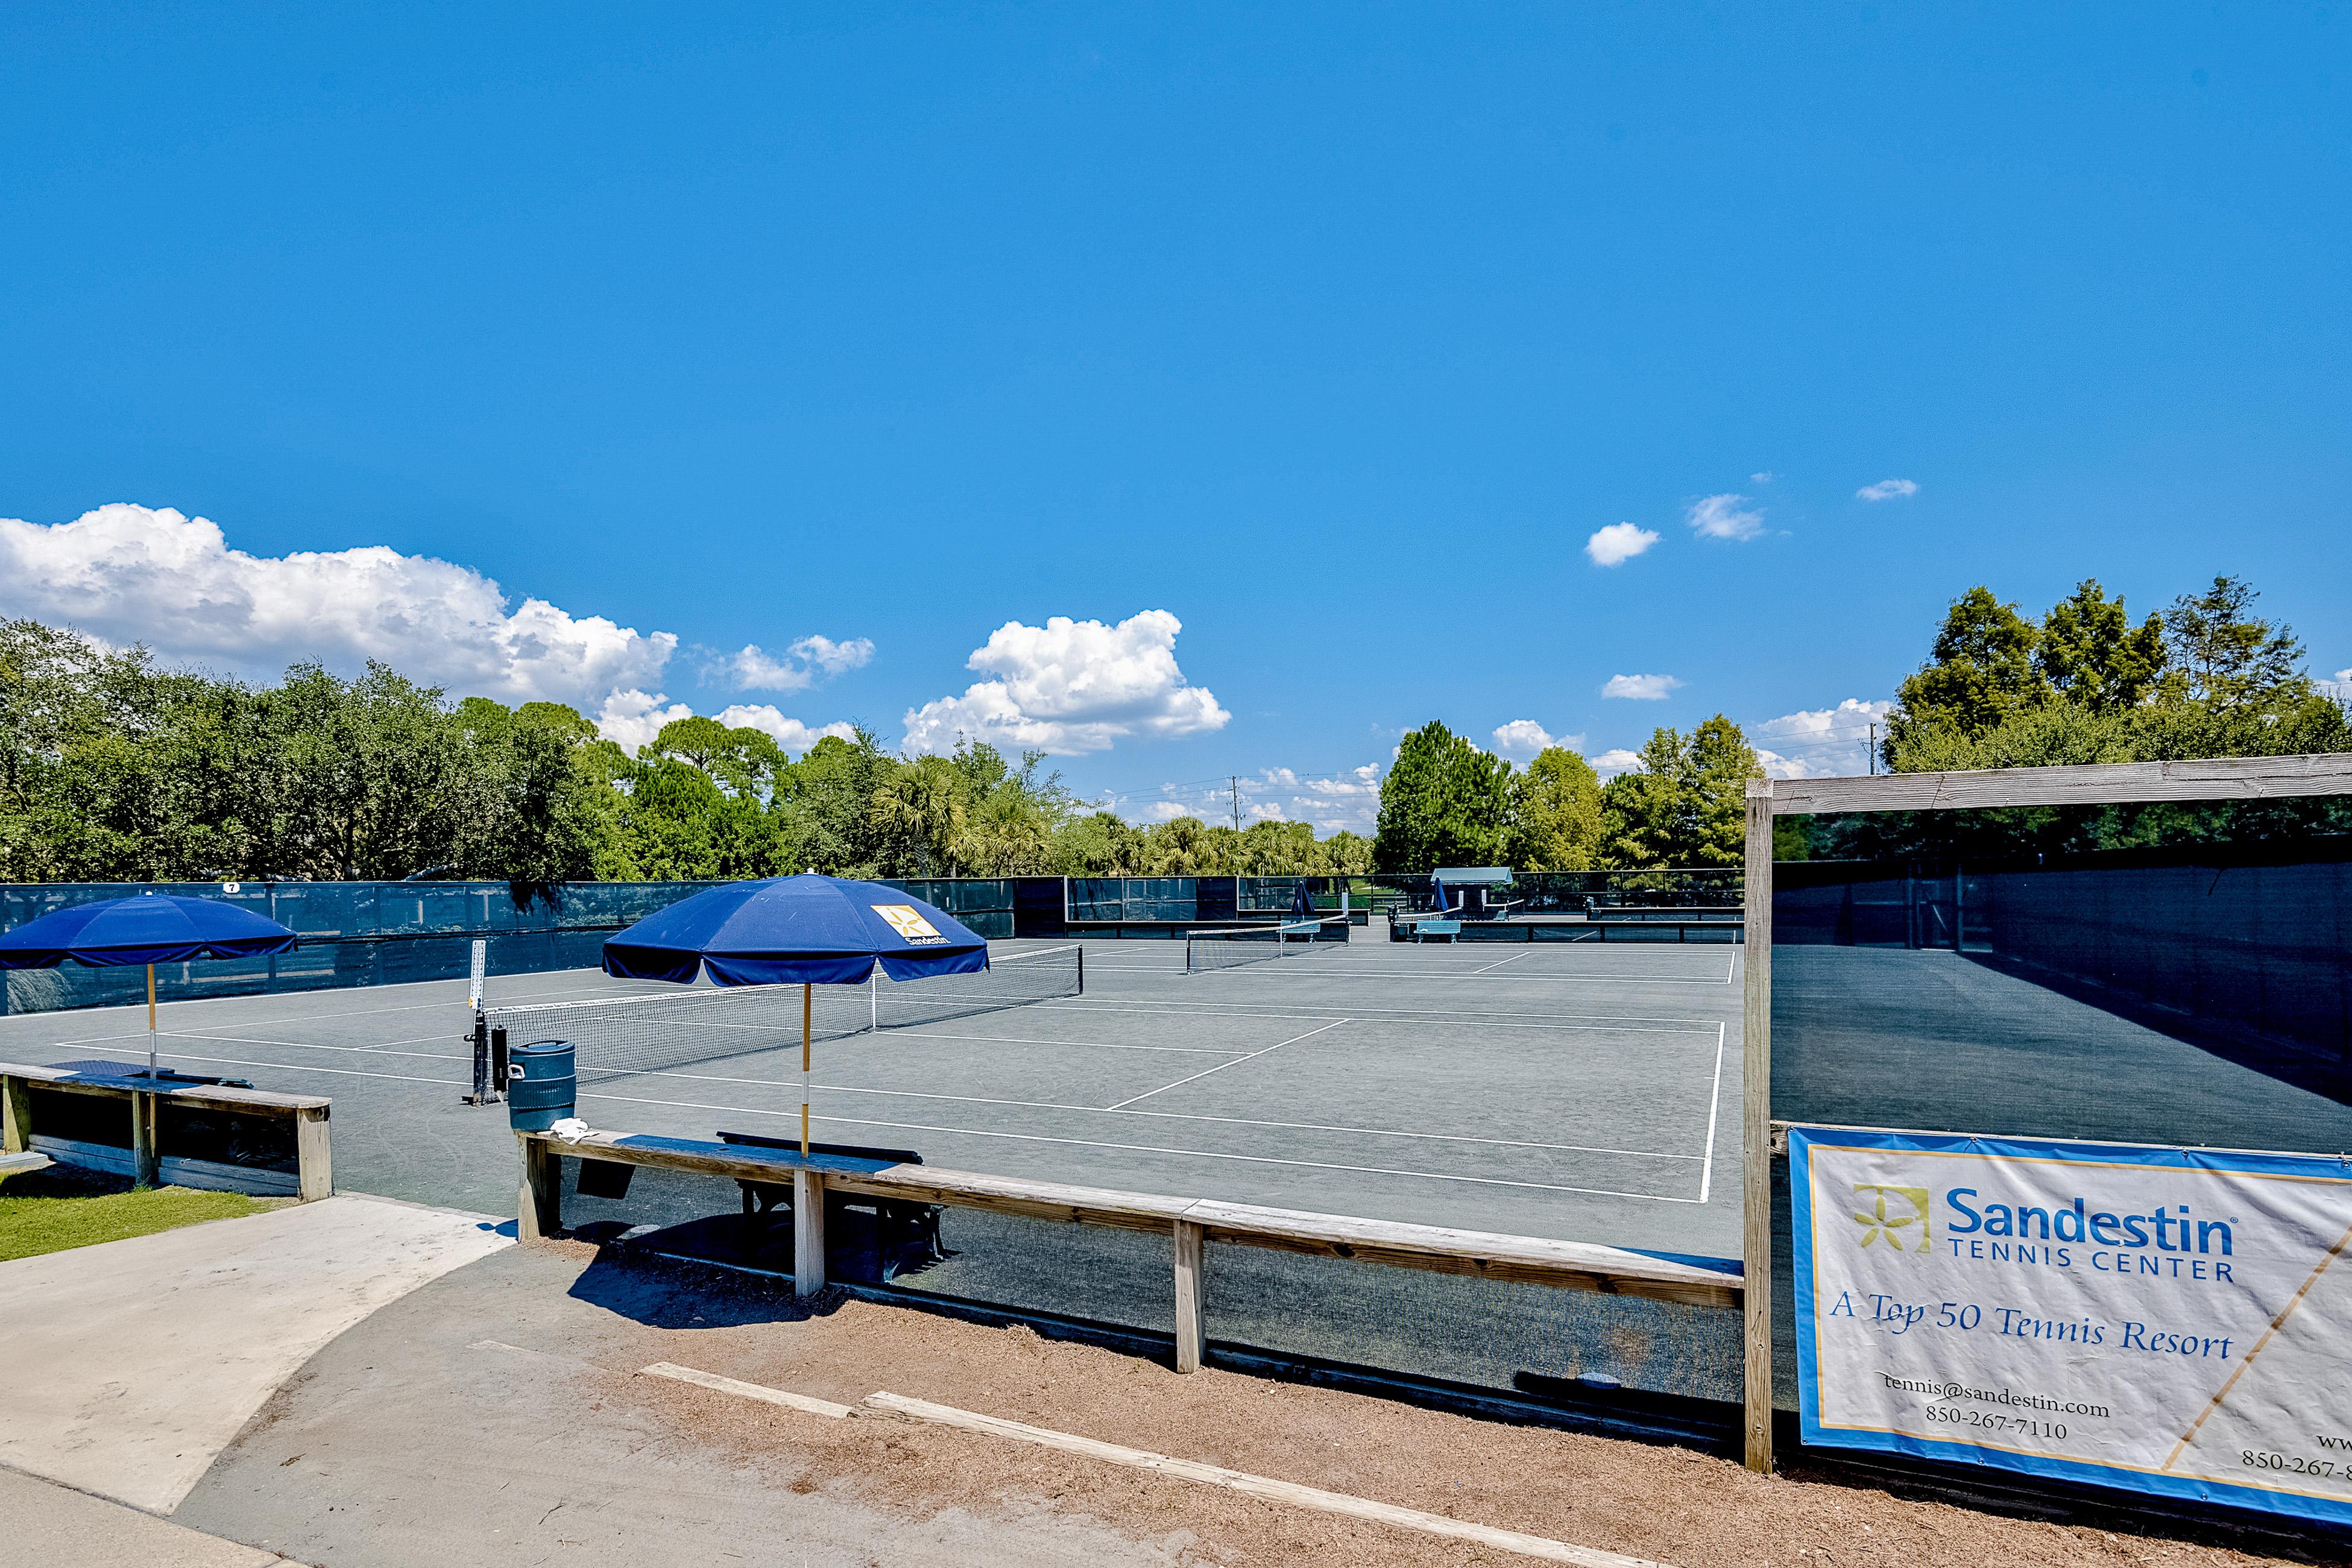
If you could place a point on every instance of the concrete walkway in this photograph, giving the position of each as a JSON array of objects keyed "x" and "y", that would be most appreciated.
[
  {"x": 133, "y": 1364},
  {"x": 56, "y": 1525}
]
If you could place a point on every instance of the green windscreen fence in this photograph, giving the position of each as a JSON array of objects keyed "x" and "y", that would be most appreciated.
[
  {"x": 352, "y": 934},
  {"x": 2173, "y": 974}
]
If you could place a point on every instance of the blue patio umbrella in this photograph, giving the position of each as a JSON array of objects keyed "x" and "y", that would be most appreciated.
[
  {"x": 810, "y": 929},
  {"x": 150, "y": 929},
  {"x": 1438, "y": 890}
]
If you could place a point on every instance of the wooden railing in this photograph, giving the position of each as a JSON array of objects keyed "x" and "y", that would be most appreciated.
[{"x": 1190, "y": 1223}]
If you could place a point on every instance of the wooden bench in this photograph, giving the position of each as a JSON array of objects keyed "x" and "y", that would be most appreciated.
[
  {"x": 1191, "y": 1223},
  {"x": 897, "y": 1224},
  {"x": 144, "y": 1100}
]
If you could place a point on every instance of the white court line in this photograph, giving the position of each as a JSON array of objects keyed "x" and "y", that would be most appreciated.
[
  {"x": 296, "y": 1067},
  {"x": 1500, "y": 962},
  {"x": 1713, "y": 1101},
  {"x": 1360, "y": 976},
  {"x": 1219, "y": 1067},
  {"x": 305, "y": 1045},
  {"x": 1016, "y": 1039},
  {"x": 139, "y": 1009},
  {"x": 1158, "y": 1115},
  {"x": 1594, "y": 1023},
  {"x": 1151, "y": 1149}
]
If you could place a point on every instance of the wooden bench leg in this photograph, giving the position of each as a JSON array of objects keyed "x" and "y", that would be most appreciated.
[
  {"x": 539, "y": 1206},
  {"x": 808, "y": 1233},
  {"x": 15, "y": 1116},
  {"x": 146, "y": 1163},
  {"x": 1190, "y": 1247},
  {"x": 313, "y": 1160}
]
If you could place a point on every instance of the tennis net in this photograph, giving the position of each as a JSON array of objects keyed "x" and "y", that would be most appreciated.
[
  {"x": 611, "y": 1038},
  {"x": 1227, "y": 948}
]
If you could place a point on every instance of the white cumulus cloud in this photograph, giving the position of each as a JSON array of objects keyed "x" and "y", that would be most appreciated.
[
  {"x": 1618, "y": 543},
  {"x": 1887, "y": 490},
  {"x": 1616, "y": 760},
  {"x": 1524, "y": 737},
  {"x": 632, "y": 718},
  {"x": 788, "y": 733},
  {"x": 133, "y": 574},
  {"x": 1725, "y": 516},
  {"x": 1639, "y": 688},
  {"x": 1070, "y": 686},
  {"x": 1820, "y": 743},
  {"x": 754, "y": 668}
]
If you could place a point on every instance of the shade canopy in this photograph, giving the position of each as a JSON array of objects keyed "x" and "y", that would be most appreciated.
[
  {"x": 148, "y": 928},
  {"x": 794, "y": 929}
]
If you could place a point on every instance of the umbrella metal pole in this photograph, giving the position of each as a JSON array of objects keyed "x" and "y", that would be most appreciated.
[
  {"x": 874, "y": 998},
  {"x": 808, "y": 1005},
  {"x": 150, "y": 1021}
]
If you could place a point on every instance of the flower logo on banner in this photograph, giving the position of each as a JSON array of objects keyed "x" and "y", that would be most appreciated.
[
  {"x": 909, "y": 923},
  {"x": 1879, "y": 1226}
]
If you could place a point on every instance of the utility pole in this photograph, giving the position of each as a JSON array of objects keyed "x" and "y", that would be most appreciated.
[
  {"x": 1235, "y": 781},
  {"x": 1873, "y": 745}
]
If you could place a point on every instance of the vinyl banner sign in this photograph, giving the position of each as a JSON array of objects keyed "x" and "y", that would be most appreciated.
[{"x": 2171, "y": 1320}]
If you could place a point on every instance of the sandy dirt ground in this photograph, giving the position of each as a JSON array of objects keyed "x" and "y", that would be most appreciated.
[{"x": 1671, "y": 1505}]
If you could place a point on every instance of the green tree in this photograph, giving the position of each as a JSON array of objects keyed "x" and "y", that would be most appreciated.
[
  {"x": 2093, "y": 655},
  {"x": 1444, "y": 803},
  {"x": 1554, "y": 813},
  {"x": 2227, "y": 654},
  {"x": 1099, "y": 843},
  {"x": 1684, "y": 805},
  {"x": 1981, "y": 670}
]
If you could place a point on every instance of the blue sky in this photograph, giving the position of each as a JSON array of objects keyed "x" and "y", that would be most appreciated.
[{"x": 1329, "y": 334}]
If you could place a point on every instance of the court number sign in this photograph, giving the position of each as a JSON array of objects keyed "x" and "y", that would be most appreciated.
[{"x": 2172, "y": 1321}]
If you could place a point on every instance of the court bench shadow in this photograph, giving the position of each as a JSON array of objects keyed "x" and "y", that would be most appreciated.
[{"x": 722, "y": 1269}]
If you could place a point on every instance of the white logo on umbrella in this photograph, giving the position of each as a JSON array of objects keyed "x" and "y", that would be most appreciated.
[{"x": 908, "y": 922}]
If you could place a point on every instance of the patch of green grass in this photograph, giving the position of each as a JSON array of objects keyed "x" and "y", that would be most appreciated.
[{"x": 53, "y": 1210}]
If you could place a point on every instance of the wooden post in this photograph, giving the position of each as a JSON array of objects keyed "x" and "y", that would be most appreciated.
[
  {"x": 808, "y": 1233},
  {"x": 146, "y": 1163},
  {"x": 1756, "y": 1129},
  {"x": 1190, "y": 1246},
  {"x": 538, "y": 1207},
  {"x": 312, "y": 1159},
  {"x": 15, "y": 1115}
]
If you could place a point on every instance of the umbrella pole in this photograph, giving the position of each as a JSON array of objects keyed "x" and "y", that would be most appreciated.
[
  {"x": 150, "y": 1021},
  {"x": 808, "y": 1005}
]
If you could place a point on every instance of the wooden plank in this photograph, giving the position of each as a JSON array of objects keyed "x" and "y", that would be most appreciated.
[
  {"x": 23, "y": 1160},
  {"x": 1756, "y": 1132},
  {"x": 313, "y": 1157},
  {"x": 914, "y": 1184},
  {"x": 2210, "y": 779},
  {"x": 1288, "y": 1494},
  {"x": 16, "y": 1114},
  {"x": 808, "y": 1232},
  {"x": 204, "y": 1096},
  {"x": 803, "y": 1403},
  {"x": 1524, "y": 1259},
  {"x": 1190, "y": 1242}
]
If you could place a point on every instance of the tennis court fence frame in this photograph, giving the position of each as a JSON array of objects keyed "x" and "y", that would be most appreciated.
[{"x": 2100, "y": 784}]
